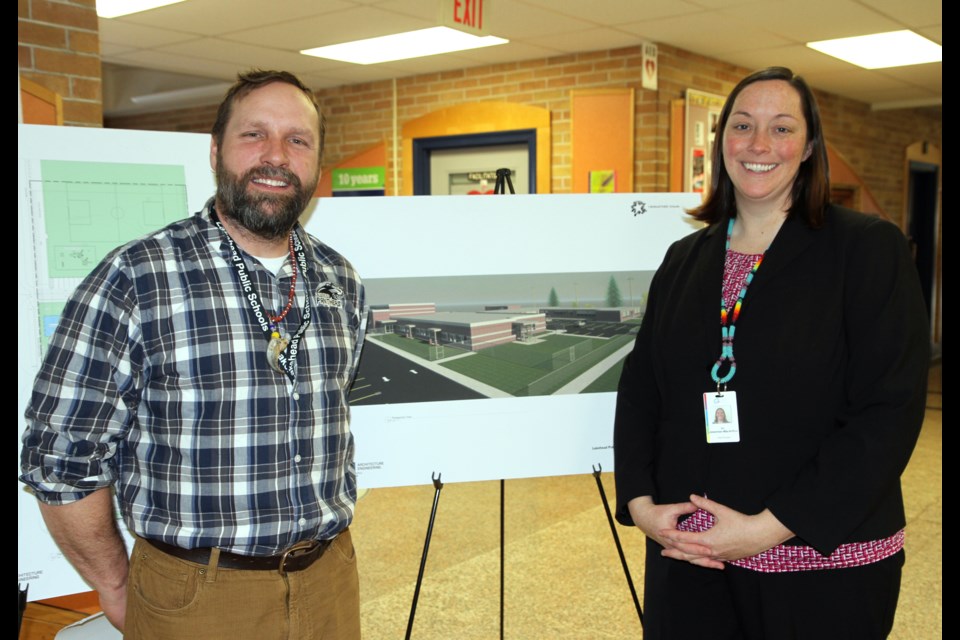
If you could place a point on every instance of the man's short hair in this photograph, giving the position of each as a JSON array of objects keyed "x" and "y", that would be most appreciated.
[{"x": 251, "y": 80}]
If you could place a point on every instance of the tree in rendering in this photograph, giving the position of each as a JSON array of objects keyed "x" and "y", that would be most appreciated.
[
  {"x": 614, "y": 299},
  {"x": 554, "y": 299}
]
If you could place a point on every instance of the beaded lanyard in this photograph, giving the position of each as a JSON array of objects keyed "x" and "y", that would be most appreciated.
[
  {"x": 275, "y": 320},
  {"x": 728, "y": 324},
  {"x": 281, "y": 351}
]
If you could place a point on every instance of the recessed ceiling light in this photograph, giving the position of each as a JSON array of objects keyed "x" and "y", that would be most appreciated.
[
  {"x": 117, "y": 8},
  {"x": 882, "y": 50},
  {"x": 401, "y": 46}
]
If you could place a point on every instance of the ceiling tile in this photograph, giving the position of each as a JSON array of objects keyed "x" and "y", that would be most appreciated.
[
  {"x": 799, "y": 58},
  {"x": 245, "y": 55},
  {"x": 927, "y": 76},
  {"x": 611, "y": 12},
  {"x": 933, "y": 33},
  {"x": 140, "y": 36},
  {"x": 515, "y": 20},
  {"x": 708, "y": 33},
  {"x": 333, "y": 28},
  {"x": 810, "y": 20},
  {"x": 216, "y": 17},
  {"x": 180, "y": 64},
  {"x": 916, "y": 13}
]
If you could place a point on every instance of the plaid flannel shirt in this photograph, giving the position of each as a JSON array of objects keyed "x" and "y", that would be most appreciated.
[{"x": 157, "y": 381}]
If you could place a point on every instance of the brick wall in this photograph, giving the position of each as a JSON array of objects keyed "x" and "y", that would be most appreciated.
[
  {"x": 360, "y": 116},
  {"x": 58, "y": 44}
]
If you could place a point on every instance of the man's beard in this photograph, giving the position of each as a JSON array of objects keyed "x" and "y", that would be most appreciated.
[{"x": 266, "y": 215}]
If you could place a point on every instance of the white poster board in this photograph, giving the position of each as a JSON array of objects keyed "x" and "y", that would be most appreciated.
[
  {"x": 82, "y": 192},
  {"x": 576, "y": 241}
]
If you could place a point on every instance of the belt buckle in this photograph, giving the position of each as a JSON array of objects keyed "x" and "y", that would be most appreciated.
[{"x": 304, "y": 546}]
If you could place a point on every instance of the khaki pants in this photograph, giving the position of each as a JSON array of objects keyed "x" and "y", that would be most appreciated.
[{"x": 172, "y": 599}]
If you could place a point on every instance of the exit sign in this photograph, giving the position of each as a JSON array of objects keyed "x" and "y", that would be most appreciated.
[{"x": 470, "y": 16}]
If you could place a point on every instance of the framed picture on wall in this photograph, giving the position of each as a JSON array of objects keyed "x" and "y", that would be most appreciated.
[
  {"x": 463, "y": 164},
  {"x": 701, "y": 113}
]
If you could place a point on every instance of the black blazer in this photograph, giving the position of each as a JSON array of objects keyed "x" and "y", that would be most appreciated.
[{"x": 832, "y": 351}]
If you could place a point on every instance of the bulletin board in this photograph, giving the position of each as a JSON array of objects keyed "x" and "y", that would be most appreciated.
[{"x": 602, "y": 137}]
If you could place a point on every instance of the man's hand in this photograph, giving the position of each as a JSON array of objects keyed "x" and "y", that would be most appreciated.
[
  {"x": 87, "y": 534},
  {"x": 735, "y": 535}
]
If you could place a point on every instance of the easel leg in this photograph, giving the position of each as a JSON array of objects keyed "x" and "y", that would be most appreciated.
[
  {"x": 616, "y": 539},
  {"x": 426, "y": 547}
]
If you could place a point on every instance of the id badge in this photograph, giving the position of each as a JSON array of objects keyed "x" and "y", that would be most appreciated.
[{"x": 720, "y": 417}]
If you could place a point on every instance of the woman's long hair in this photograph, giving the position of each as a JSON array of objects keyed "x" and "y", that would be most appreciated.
[{"x": 810, "y": 194}]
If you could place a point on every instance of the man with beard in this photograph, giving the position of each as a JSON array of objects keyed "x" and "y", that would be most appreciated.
[{"x": 202, "y": 374}]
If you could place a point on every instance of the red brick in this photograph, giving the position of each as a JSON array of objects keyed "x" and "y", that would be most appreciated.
[
  {"x": 67, "y": 63},
  {"x": 69, "y": 15},
  {"x": 84, "y": 41},
  {"x": 593, "y": 55},
  {"x": 560, "y": 60},
  {"x": 615, "y": 63},
  {"x": 591, "y": 78},
  {"x": 482, "y": 92},
  {"x": 624, "y": 75},
  {"x": 85, "y": 89},
  {"x": 24, "y": 57},
  {"x": 561, "y": 81},
  {"x": 532, "y": 64},
  {"x": 82, "y": 113},
  {"x": 44, "y": 35}
]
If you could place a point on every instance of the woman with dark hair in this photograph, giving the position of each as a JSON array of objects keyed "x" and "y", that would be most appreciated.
[{"x": 788, "y": 522}]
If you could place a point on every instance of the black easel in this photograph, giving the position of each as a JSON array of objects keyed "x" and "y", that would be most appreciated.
[
  {"x": 503, "y": 179},
  {"x": 426, "y": 547},
  {"x": 503, "y": 176},
  {"x": 616, "y": 539},
  {"x": 21, "y": 605}
]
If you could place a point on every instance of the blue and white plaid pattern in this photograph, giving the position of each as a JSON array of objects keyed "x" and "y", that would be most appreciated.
[{"x": 157, "y": 380}]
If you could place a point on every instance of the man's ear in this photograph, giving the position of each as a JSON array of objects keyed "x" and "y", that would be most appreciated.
[{"x": 213, "y": 154}]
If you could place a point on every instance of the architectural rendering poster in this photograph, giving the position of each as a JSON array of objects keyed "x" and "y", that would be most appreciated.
[
  {"x": 497, "y": 327},
  {"x": 82, "y": 192}
]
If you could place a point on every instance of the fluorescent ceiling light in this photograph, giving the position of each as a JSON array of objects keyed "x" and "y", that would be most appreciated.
[
  {"x": 882, "y": 50},
  {"x": 401, "y": 46},
  {"x": 117, "y": 8}
]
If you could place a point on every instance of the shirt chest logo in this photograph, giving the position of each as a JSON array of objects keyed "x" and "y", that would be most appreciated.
[{"x": 328, "y": 295}]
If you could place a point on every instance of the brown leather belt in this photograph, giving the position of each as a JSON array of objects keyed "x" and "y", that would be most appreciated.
[{"x": 296, "y": 558}]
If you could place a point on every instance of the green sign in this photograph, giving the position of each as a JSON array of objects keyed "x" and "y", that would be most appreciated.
[{"x": 359, "y": 179}]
